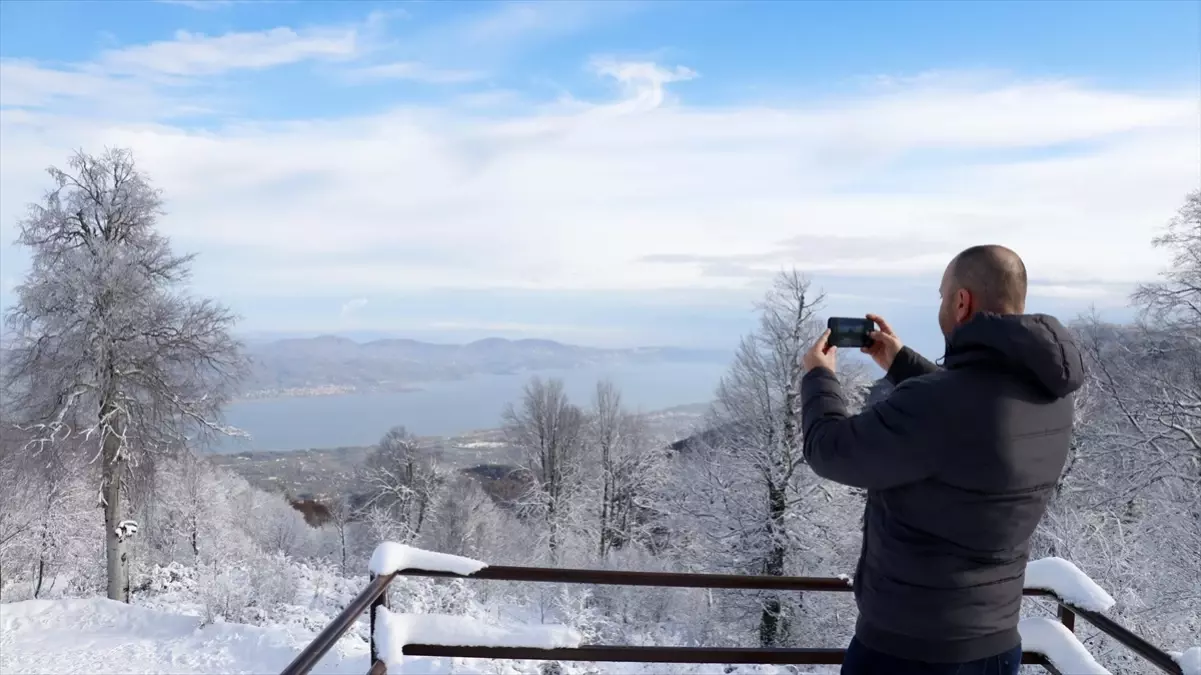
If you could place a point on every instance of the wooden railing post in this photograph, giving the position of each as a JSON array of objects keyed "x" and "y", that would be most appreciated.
[
  {"x": 378, "y": 667},
  {"x": 1067, "y": 617}
]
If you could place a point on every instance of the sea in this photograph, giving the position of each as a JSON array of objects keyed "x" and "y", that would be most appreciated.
[{"x": 450, "y": 408}]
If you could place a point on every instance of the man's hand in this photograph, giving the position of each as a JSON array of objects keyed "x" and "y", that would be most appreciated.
[
  {"x": 885, "y": 343},
  {"x": 820, "y": 354}
]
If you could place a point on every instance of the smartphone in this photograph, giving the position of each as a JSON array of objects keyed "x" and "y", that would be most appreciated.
[{"x": 848, "y": 332}]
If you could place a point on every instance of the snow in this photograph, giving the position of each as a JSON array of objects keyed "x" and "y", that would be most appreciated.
[
  {"x": 1190, "y": 661},
  {"x": 394, "y": 631},
  {"x": 1069, "y": 583},
  {"x": 1053, "y": 640},
  {"x": 390, "y": 557},
  {"x": 98, "y": 635}
]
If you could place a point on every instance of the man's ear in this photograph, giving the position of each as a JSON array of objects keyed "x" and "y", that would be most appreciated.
[{"x": 963, "y": 305}]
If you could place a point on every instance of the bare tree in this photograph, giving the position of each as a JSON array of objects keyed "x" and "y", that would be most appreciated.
[
  {"x": 402, "y": 481},
  {"x": 749, "y": 480},
  {"x": 1176, "y": 300},
  {"x": 1171, "y": 313},
  {"x": 548, "y": 429},
  {"x": 469, "y": 523},
  {"x": 630, "y": 465},
  {"x": 1128, "y": 506},
  {"x": 341, "y": 515},
  {"x": 107, "y": 350}
]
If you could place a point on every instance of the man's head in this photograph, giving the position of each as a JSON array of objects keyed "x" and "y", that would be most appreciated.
[{"x": 981, "y": 279}]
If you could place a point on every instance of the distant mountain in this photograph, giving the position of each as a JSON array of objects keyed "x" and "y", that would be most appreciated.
[{"x": 333, "y": 364}]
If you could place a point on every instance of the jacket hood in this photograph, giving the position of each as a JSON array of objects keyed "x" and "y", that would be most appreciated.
[{"x": 1037, "y": 344}]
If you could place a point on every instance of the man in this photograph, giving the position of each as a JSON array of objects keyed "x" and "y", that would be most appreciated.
[{"x": 958, "y": 463}]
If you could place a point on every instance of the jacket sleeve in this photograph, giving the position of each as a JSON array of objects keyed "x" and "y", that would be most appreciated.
[
  {"x": 907, "y": 364},
  {"x": 887, "y": 445}
]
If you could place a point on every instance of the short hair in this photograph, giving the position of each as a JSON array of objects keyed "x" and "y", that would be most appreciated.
[{"x": 994, "y": 275}]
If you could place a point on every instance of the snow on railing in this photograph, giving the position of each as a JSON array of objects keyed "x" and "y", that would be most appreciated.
[
  {"x": 1048, "y": 642},
  {"x": 1067, "y": 581},
  {"x": 1190, "y": 661},
  {"x": 391, "y": 557},
  {"x": 393, "y": 632},
  {"x": 1053, "y": 640}
]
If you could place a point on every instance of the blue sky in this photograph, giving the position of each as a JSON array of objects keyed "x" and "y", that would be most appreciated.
[{"x": 619, "y": 172}]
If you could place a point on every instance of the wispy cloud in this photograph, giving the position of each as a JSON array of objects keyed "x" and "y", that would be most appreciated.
[
  {"x": 205, "y": 4},
  {"x": 515, "y": 22},
  {"x": 644, "y": 83},
  {"x": 413, "y": 71},
  {"x": 195, "y": 54},
  {"x": 351, "y": 307}
]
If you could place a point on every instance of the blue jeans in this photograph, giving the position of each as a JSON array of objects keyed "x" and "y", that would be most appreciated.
[{"x": 863, "y": 661}]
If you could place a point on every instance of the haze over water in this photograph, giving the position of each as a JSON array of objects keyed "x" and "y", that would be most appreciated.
[{"x": 450, "y": 408}]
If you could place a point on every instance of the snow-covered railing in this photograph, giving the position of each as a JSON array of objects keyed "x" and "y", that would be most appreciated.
[{"x": 1051, "y": 644}]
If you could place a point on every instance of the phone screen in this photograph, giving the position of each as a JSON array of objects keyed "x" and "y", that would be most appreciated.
[{"x": 848, "y": 332}]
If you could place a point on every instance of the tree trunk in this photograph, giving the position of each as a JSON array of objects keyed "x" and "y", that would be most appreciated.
[
  {"x": 342, "y": 536},
  {"x": 37, "y": 588},
  {"x": 421, "y": 506},
  {"x": 195, "y": 537},
  {"x": 604, "y": 514},
  {"x": 771, "y": 622},
  {"x": 552, "y": 519},
  {"x": 112, "y": 474}
]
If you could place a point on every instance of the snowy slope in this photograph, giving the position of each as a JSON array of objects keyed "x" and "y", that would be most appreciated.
[
  {"x": 98, "y": 636},
  {"x": 102, "y": 636}
]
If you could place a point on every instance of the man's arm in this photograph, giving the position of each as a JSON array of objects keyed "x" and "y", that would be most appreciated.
[
  {"x": 882, "y": 447},
  {"x": 907, "y": 364}
]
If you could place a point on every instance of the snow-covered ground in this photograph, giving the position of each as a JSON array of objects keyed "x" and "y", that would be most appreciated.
[
  {"x": 98, "y": 635},
  {"x": 164, "y": 630}
]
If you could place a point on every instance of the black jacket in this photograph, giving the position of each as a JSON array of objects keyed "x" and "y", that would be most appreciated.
[{"x": 959, "y": 464}]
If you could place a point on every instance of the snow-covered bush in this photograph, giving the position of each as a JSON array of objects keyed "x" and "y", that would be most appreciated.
[{"x": 247, "y": 591}]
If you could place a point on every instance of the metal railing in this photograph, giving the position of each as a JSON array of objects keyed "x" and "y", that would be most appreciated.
[{"x": 375, "y": 595}]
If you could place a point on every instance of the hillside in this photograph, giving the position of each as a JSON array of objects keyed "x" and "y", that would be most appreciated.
[{"x": 332, "y": 364}]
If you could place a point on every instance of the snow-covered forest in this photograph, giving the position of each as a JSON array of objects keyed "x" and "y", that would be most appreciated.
[{"x": 115, "y": 378}]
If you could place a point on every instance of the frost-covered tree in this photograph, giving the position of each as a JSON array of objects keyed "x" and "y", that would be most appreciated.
[
  {"x": 631, "y": 470},
  {"x": 402, "y": 482},
  {"x": 467, "y": 522},
  {"x": 749, "y": 504},
  {"x": 342, "y": 515},
  {"x": 548, "y": 429},
  {"x": 747, "y": 475},
  {"x": 108, "y": 351},
  {"x": 1127, "y": 509}
]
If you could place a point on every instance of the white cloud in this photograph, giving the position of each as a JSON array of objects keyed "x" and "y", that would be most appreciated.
[
  {"x": 192, "y": 54},
  {"x": 643, "y": 82},
  {"x": 415, "y": 71},
  {"x": 641, "y": 192},
  {"x": 205, "y": 4},
  {"x": 145, "y": 81},
  {"x": 351, "y": 307}
]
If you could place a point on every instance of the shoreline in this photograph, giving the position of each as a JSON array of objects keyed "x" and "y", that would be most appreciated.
[{"x": 318, "y": 392}]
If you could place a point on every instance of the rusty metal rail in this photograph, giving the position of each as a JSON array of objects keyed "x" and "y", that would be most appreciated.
[{"x": 375, "y": 595}]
